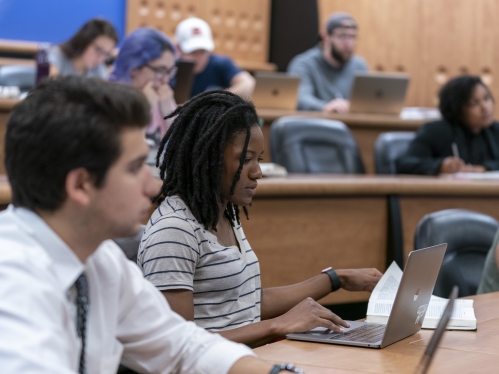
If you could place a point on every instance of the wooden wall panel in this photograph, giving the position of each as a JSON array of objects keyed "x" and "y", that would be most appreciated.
[
  {"x": 448, "y": 45},
  {"x": 388, "y": 35},
  {"x": 241, "y": 29},
  {"x": 432, "y": 40}
]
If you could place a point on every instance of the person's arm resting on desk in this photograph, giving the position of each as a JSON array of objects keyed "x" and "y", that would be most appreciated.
[
  {"x": 286, "y": 309},
  {"x": 242, "y": 84}
]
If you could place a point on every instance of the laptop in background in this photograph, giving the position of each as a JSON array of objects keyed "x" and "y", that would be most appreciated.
[
  {"x": 430, "y": 350},
  {"x": 378, "y": 93},
  {"x": 408, "y": 311},
  {"x": 183, "y": 81},
  {"x": 275, "y": 91}
]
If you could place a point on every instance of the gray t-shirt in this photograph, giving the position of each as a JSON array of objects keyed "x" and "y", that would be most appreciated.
[
  {"x": 176, "y": 252},
  {"x": 321, "y": 82},
  {"x": 490, "y": 275},
  {"x": 65, "y": 65}
]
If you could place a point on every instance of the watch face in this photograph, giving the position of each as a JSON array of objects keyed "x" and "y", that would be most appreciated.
[{"x": 329, "y": 268}]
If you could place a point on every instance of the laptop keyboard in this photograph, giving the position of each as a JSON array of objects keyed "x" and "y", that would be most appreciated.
[{"x": 368, "y": 333}]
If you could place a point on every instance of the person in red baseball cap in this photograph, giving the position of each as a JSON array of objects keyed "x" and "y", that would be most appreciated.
[{"x": 195, "y": 43}]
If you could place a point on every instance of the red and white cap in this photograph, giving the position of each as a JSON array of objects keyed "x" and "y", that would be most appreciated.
[{"x": 193, "y": 34}]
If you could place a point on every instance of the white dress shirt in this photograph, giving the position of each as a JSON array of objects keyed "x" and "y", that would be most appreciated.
[{"x": 128, "y": 321}]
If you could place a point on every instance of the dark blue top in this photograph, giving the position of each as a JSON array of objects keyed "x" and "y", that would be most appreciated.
[{"x": 217, "y": 75}]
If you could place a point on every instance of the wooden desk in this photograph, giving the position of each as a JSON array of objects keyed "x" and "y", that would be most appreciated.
[
  {"x": 6, "y": 106},
  {"x": 18, "y": 47},
  {"x": 364, "y": 127},
  {"x": 302, "y": 224},
  {"x": 459, "y": 351},
  {"x": 252, "y": 66}
]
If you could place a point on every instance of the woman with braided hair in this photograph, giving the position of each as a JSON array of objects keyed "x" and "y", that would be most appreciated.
[{"x": 194, "y": 249}]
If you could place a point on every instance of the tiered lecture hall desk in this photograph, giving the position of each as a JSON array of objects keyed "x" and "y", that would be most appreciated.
[
  {"x": 365, "y": 128},
  {"x": 301, "y": 224},
  {"x": 459, "y": 351}
]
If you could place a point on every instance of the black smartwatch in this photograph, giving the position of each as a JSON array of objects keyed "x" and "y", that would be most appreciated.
[
  {"x": 277, "y": 368},
  {"x": 335, "y": 280}
]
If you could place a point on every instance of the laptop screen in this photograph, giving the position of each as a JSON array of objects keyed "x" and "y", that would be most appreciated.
[{"x": 425, "y": 362}]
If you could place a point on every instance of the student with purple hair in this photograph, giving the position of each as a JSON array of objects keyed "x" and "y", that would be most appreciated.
[{"x": 147, "y": 61}]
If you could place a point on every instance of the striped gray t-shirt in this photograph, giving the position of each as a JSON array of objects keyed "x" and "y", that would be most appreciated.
[{"x": 176, "y": 252}]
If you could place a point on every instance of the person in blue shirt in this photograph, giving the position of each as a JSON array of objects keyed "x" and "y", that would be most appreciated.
[{"x": 195, "y": 43}]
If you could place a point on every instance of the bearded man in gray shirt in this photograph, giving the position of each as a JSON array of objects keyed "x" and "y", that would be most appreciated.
[{"x": 327, "y": 71}]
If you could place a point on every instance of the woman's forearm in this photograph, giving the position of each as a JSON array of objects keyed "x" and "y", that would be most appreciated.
[
  {"x": 278, "y": 300},
  {"x": 254, "y": 334}
]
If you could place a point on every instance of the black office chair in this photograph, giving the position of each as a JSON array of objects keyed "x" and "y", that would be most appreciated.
[
  {"x": 469, "y": 236},
  {"x": 388, "y": 147},
  {"x": 314, "y": 145},
  {"x": 130, "y": 245},
  {"x": 21, "y": 76}
]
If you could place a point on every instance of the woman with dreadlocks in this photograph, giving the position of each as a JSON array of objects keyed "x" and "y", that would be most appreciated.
[{"x": 194, "y": 249}]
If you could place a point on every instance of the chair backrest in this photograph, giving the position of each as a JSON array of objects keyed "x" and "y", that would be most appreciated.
[
  {"x": 314, "y": 145},
  {"x": 388, "y": 147},
  {"x": 21, "y": 76},
  {"x": 469, "y": 236},
  {"x": 130, "y": 245}
]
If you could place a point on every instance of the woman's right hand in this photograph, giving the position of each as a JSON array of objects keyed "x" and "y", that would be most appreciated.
[
  {"x": 307, "y": 315},
  {"x": 151, "y": 93},
  {"x": 452, "y": 165}
]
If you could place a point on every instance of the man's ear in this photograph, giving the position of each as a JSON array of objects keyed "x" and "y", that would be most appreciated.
[{"x": 79, "y": 184}]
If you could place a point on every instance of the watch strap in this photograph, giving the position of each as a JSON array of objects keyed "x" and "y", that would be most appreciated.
[
  {"x": 277, "y": 368},
  {"x": 335, "y": 280}
]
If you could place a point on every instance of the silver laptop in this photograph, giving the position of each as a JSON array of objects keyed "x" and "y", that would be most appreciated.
[
  {"x": 430, "y": 350},
  {"x": 275, "y": 91},
  {"x": 378, "y": 93},
  {"x": 408, "y": 311}
]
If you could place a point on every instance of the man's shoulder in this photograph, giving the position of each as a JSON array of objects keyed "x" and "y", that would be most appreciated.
[
  {"x": 358, "y": 63},
  {"x": 310, "y": 57},
  {"x": 220, "y": 59}
]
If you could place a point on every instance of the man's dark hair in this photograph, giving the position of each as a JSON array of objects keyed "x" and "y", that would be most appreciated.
[
  {"x": 64, "y": 124},
  {"x": 90, "y": 31},
  {"x": 455, "y": 94},
  {"x": 191, "y": 154}
]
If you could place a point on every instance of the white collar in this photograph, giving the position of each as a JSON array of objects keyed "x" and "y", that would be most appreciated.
[{"x": 66, "y": 264}]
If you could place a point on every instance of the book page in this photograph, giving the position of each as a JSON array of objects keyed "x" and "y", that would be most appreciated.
[
  {"x": 437, "y": 306},
  {"x": 383, "y": 296}
]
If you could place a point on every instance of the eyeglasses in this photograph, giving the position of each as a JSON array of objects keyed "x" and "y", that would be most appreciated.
[
  {"x": 345, "y": 37},
  {"x": 102, "y": 53},
  {"x": 163, "y": 72}
]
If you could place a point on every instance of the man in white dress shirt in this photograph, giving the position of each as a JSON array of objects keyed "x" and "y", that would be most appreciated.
[{"x": 70, "y": 301}]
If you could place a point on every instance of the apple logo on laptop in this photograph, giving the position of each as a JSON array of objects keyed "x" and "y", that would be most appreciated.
[
  {"x": 416, "y": 295},
  {"x": 378, "y": 94}
]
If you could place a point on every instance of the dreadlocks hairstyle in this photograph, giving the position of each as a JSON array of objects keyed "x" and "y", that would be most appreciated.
[{"x": 191, "y": 154}]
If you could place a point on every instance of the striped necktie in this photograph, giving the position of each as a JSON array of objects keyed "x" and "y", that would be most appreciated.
[{"x": 82, "y": 304}]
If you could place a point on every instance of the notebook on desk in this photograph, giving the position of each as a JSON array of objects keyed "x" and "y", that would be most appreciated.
[
  {"x": 408, "y": 311},
  {"x": 382, "y": 93}
]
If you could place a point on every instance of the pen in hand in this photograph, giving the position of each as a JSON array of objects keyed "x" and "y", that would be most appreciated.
[{"x": 455, "y": 151}]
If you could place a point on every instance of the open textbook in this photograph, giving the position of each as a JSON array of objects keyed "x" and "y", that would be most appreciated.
[{"x": 383, "y": 295}]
